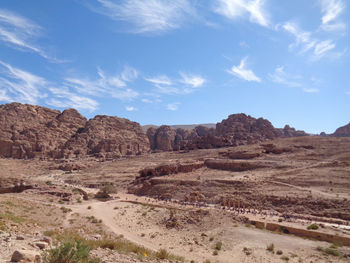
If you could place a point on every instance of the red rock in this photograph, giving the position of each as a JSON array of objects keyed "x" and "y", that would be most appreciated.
[{"x": 343, "y": 131}]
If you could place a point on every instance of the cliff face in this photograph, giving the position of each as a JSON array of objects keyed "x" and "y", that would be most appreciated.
[
  {"x": 237, "y": 129},
  {"x": 343, "y": 131},
  {"x": 28, "y": 131},
  {"x": 108, "y": 137}
]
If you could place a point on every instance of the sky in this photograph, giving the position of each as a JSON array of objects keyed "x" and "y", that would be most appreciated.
[{"x": 180, "y": 61}]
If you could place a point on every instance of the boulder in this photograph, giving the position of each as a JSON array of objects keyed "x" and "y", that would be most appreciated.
[{"x": 22, "y": 255}]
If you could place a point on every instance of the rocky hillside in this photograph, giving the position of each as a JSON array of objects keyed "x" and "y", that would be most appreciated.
[
  {"x": 343, "y": 131},
  {"x": 237, "y": 129},
  {"x": 28, "y": 131}
]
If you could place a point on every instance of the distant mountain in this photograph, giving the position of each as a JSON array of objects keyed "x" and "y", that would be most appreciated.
[
  {"x": 29, "y": 131},
  {"x": 181, "y": 126},
  {"x": 343, "y": 131}
]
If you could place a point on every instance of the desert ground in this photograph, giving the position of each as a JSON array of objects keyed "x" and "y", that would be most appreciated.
[{"x": 250, "y": 203}]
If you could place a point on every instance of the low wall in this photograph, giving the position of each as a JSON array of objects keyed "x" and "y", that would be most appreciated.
[{"x": 309, "y": 234}]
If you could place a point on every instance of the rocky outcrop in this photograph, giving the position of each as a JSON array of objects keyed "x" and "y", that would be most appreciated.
[
  {"x": 288, "y": 131},
  {"x": 108, "y": 137},
  {"x": 237, "y": 129},
  {"x": 234, "y": 166},
  {"x": 167, "y": 169},
  {"x": 343, "y": 131},
  {"x": 28, "y": 131}
]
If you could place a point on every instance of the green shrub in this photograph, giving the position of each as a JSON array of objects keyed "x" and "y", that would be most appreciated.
[
  {"x": 218, "y": 245},
  {"x": 279, "y": 252},
  {"x": 285, "y": 258},
  {"x": 312, "y": 227},
  {"x": 69, "y": 252}
]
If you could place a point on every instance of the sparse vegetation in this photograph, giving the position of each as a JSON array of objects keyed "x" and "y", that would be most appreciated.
[
  {"x": 313, "y": 227},
  {"x": 285, "y": 258},
  {"x": 118, "y": 244},
  {"x": 66, "y": 210},
  {"x": 329, "y": 251},
  {"x": 247, "y": 251},
  {"x": 218, "y": 245},
  {"x": 271, "y": 248},
  {"x": 69, "y": 252},
  {"x": 279, "y": 252}
]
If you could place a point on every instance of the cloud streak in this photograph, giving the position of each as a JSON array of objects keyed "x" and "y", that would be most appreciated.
[
  {"x": 304, "y": 40},
  {"x": 111, "y": 86},
  {"x": 152, "y": 16},
  {"x": 281, "y": 77},
  {"x": 234, "y": 9},
  {"x": 187, "y": 83},
  {"x": 20, "y": 32},
  {"x": 241, "y": 71},
  {"x": 22, "y": 86}
]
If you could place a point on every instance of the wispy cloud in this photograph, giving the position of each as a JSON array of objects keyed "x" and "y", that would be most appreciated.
[
  {"x": 63, "y": 98},
  {"x": 192, "y": 80},
  {"x": 114, "y": 86},
  {"x": 306, "y": 42},
  {"x": 130, "y": 108},
  {"x": 281, "y": 77},
  {"x": 311, "y": 90},
  {"x": 173, "y": 106},
  {"x": 22, "y": 86},
  {"x": 152, "y": 16},
  {"x": 241, "y": 71},
  {"x": 347, "y": 93},
  {"x": 331, "y": 9},
  {"x": 233, "y": 9},
  {"x": 21, "y": 33},
  {"x": 187, "y": 83},
  {"x": 160, "y": 80}
]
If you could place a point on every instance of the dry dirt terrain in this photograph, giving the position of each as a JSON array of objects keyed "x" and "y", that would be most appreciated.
[{"x": 250, "y": 203}]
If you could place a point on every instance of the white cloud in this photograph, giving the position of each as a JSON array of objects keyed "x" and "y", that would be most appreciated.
[
  {"x": 242, "y": 72},
  {"x": 173, "y": 106},
  {"x": 331, "y": 9},
  {"x": 184, "y": 85},
  {"x": 21, "y": 85},
  {"x": 160, "y": 80},
  {"x": 281, "y": 77},
  {"x": 129, "y": 74},
  {"x": 148, "y": 16},
  {"x": 306, "y": 42},
  {"x": 130, "y": 108},
  {"x": 311, "y": 90},
  {"x": 321, "y": 48},
  {"x": 4, "y": 97},
  {"x": 192, "y": 80},
  {"x": 63, "y": 98},
  {"x": 233, "y": 9},
  {"x": 113, "y": 86},
  {"x": 20, "y": 32},
  {"x": 347, "y": 93}
]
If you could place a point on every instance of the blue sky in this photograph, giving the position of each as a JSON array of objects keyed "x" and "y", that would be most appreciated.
[{"x": 180, "y": 61}]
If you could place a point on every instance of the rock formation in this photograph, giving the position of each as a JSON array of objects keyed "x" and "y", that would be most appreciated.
[
  {"x": 108, "y": 137},
  {"x": 343, "y": 131},
  {"x": 28, "y": 131},
  {"x": 237, "y": 129}
]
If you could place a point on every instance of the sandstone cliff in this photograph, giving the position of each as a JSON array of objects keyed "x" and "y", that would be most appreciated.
[
  {"x": 237, "y": 129},
  {"x": 343, "y": 131},
  {"x": 28, "y": 131}
]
